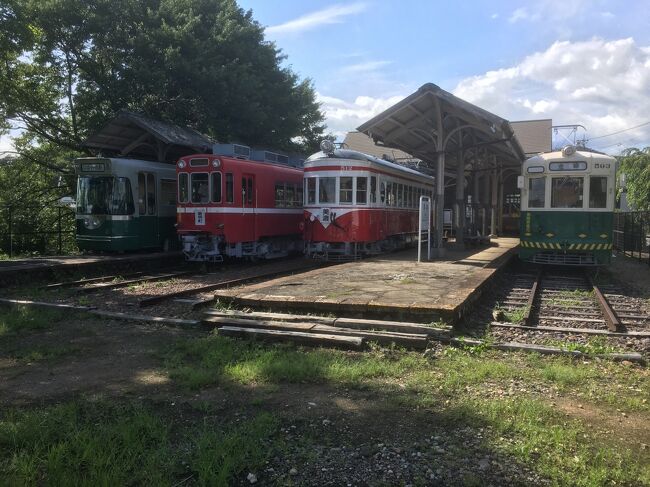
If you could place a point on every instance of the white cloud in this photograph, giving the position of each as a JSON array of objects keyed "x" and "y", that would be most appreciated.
[
  {"x": 364, "y": 66},
  {"x": 330, "y": 15},
  {"x": 342, "y": 116},
  {"x": 522, "y": 14},
  {"x": 494, "y": 16},
  {"x": 600, "y": 84}
]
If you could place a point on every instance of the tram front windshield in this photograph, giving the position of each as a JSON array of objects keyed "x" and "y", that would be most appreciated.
[{"x": 104, "y": 195}]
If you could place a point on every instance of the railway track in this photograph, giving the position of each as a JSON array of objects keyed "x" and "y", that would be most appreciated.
[
  {"x": 256, "y": 274},
  {"x": 560, "y": 306},
  {"x": 118, "y": 280}
]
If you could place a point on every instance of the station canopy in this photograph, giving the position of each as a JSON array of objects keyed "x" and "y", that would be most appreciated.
[
  {"x": 432, "y": 121},
  {"x": 133, "y": 135}
]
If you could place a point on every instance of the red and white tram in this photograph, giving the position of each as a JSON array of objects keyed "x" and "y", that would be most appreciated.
[
  {"x": 230, "y": 205},
  {"x": 357, "y": 204}
]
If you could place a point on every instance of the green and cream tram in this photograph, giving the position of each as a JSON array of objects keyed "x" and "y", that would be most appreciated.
[
  {"x": 567, "y": 204},
  {"x": 125, "y": 204}
]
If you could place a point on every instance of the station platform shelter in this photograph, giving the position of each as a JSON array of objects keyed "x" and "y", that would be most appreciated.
[{"x": 474, "y": 155}]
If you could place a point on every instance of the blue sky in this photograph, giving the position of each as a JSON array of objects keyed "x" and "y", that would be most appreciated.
[{"x": 575, "y": 61}]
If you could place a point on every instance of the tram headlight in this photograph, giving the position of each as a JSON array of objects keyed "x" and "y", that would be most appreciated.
[
  {"x": 93, "y": 222},
  {"x": 216, "y": 163},
  {"x": 568, "y": 150},
  {"x": 181, "y": 164},
  {"x": 327, "y": 146}
]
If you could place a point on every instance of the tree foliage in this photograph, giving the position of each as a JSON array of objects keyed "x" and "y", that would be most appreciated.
[
  {"x": 67, "y": 66},
  {"x": 635, "y": 164}
]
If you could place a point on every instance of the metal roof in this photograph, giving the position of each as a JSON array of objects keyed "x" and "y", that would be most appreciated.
[
  {"x": 361, "y": 142},
  {"x": 134, "y": 135},
  {"x": 360, "y": 156},
  {"x": 419, "y": 123},
  {"x": 535, "y": 136}
]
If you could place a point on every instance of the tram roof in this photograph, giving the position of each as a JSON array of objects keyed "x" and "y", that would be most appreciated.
[
  {"x": 134, "y": 135},
  {"x": 361, "y": 156},
  {"x": 412, "y": 125}
]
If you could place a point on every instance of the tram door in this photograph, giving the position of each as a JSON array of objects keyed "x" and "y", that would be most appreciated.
[
  {"x": 147, "y": 227},
  {"x": 249, "y": 200}
]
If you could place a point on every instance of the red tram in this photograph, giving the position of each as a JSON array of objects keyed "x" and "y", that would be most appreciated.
[
  {"x": 230, "y": 205},
  {"x": 357, "y": 204}
]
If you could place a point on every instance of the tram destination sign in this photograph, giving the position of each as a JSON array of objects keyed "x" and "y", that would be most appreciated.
[{"x": 93, "y": 167}]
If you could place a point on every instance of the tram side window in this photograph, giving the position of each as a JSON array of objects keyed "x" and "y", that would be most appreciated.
[
  {"x": 251, "y": 191},
  {"x": 311, "y": 191},
  {"x": 299, "y": 197},
  {"x": 362, "y": 191},
  {"x": 167, "y": 192},
  {"x": 598, "y": 192},
  {"x": 151, "y": 194},
  {"x": 327, "y": 190},
  {"x": 216, "y": 187},
  {"x": 382, "y": 193},
  {"x": 230, "y": 188},
  {"x": 290, "y": 194},
  {"x": 279, "y": 195},
  {"x": 345, "y": 190},
  {"x": 199, "y": 187},
  {"x": 373, "y": 189},
  {"x": 142, "y": 194},
  {"x": 536, "y": 192},
  {"x": 566, "y": 192},
  {"x": 182, "y": 187}
]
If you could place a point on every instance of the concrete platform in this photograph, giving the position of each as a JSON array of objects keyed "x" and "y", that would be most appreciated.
[{"x": 391, "y": 287}]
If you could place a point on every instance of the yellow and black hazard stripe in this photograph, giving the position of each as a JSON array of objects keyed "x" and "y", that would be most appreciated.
[{"x": 574, "y": 246}]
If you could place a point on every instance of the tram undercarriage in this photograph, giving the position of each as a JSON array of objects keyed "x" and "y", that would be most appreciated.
[{"x": 210, "y": 248}]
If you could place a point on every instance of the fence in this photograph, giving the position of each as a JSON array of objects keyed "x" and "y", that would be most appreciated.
[
  {"x": 37, "y": 230},
  {"x": 632, "y": 234}
]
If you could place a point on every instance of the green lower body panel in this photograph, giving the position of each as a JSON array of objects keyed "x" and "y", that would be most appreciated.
[
  {"x": 128, "y": 235},
  {"x": 566, "y": 237}
]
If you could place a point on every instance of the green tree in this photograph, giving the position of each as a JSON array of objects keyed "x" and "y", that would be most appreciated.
[
  {"x": 70, "y": 65},
  {"x": 635, "y": 164}
]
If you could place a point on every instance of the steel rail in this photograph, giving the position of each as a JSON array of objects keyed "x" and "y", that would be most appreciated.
[
  {"x": 224, "y": 284},
  {"x": 127, "y": 282},
  {"x": 92, "y": 280},
  {"x": 531, "y": 299},
  {"x": 613, "y": 322}
]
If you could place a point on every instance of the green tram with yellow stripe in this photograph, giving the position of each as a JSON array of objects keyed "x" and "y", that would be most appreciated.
[{"x": 567, "y": 204}]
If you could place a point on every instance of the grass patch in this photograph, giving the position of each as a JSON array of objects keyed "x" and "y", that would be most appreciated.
[
  {"x": 214, "y": 360},
  {"x": 25, "y": 318},
  {"x": 223, "y": 305},
  {"x": 515, "y": 315},
  {"x": 597, "y": 345},
  {"x": 561, "y": 449},
  {"x": 217, "y": 458},
  {"x": 83, "y": 443},
  {"x": 205, "y": 361}
]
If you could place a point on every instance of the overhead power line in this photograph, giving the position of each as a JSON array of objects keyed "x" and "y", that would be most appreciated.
[{"x": 620, "y": 131}]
